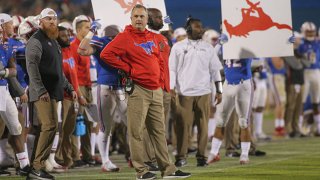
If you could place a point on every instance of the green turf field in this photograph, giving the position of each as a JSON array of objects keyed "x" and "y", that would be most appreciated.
[{"x": 286, "y": 159}]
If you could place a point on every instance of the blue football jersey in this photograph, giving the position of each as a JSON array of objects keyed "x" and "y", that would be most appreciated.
[
  {"x": 107, "y": 75},
  {"x": 311, "y": 51},
  {"x": 237, "y": 70}
]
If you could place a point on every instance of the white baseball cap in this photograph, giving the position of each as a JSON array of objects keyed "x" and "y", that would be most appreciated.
[
  {"x": 47, "y": 12},
  {"x": 179, "y": 32},
  {"x": 78, "y": 19},
  {"x": 4, "y": 18}
]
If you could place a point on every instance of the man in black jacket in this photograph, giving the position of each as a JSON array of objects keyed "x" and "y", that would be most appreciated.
[{"x": 47, "y": 82}]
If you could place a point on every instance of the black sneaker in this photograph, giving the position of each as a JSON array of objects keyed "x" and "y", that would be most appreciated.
[
  {"x": 181, "y": 163},
  {"x": 4, "y": 172},
  {"x": 202, "y": 162},
  {"x": 79, "y": 164},
  {"x": 177, "y": 174},
  {"x": 233, "y": 154},
  {"x": 41, "y": 174},
  {"x": 90, "y": 162},
  {"x": 152, "y": 167},
  {"x": 257, "y": 153},
  {"x": 148, "y": 175},
  {"x": 24, "y": 171}
]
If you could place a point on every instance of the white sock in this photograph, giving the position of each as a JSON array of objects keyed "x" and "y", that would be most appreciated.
[
  {"x": 317, "y": 120},
  {"x": 277, "y": 123},
  {"x": 103, "y": 145},
  {"x": 245, "y": 147},
  {"x": 211, "y": 127},
  {"x": 215, "y": 146},
  {"x": 258, "y": 122},
  {"x": 55, "y": 142},
  {"x": 281, "y": 121},
  {"x": 23, "y": 159},
  {"x": 30, "y": 142},
  {"x": 93, "y": 143},
  {"x": 300, "y": 122}
]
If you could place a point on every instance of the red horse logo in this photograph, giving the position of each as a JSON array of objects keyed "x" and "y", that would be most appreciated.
[
  {"x": 252, "y": 23},
  {"x": 128, "y": 6}
]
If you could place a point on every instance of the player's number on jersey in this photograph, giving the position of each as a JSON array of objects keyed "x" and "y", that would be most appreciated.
[
  {"x": 230, "y": 63},
  {"x": 311, "y": 56}
]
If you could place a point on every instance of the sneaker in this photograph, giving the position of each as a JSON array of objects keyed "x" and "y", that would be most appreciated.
[
  {"x": 213, "y": 158},
  {"x": 41, "y": 174},
  {"x": 109, "y": 167},
  {"x": 263, "y": 137},
  {"x": 152, "y": 167},
  {"x": 148, "y": 175},
  {"x": 181, "y": 163},
  {"x": 177, "y": 174},
  {"x": 257, "y": 153},
  {"x": 97, "y": 160},
  {"x": 280, "y": 131},
  {"x": 202, "y": 162},
  {"x": 244, "y": 159},
  {"x": 24, "y": 171},
  {"x": 90, "y": 162},
  {"x": 52, "y": 166},
  {"x": 79, "y": 164},
  {"x": 233, "y": 154},
  {"x": 4, "y": 173}
]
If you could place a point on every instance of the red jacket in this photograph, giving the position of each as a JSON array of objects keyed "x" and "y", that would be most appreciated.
[
  {"x": 70, "y": 70},
  {"x": 136, "y": 53},
  {"x": 83, "y": 64},
  {"x": 164, "y": 52}
]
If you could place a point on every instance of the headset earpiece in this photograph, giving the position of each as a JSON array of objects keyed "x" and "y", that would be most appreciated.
[
  {"x": 188, "y": 25},
  {"x": 150, "y": 22}
]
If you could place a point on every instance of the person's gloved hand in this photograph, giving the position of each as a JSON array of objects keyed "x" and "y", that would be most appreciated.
[
  {"x": 292, "y": 39},
  {"x": 95, "y": 25},
  {"x": 167, "y": 20},
  {"x": 223, "y": 38}
]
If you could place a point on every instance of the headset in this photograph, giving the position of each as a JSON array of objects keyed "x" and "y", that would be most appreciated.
[
  {"x": 150, "y": 21},
  {"x": 187, "y": 26}
]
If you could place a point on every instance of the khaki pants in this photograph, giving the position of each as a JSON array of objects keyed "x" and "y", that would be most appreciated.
[
  {"x": 145, "y": 109},
  {"x": 85, "y": 140},
  {"x": 75, "y": 153},
  {"x": 293, "y": 108},
  {"x": 64, "y": 150},
  {"x": 48, "y": 125},
  {"x": 192, "y": 108},
  {"x": 149, "y": 150},
  {"x": 166, "y": 106}
]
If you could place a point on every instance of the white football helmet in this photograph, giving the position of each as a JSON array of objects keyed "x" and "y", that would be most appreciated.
[{"x": 308, "y": 30}]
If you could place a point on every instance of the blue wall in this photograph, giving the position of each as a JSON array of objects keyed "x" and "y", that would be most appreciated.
[{"x": 209, "y": 11}]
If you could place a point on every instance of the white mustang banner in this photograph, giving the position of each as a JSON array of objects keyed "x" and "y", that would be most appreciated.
[
  {"x": 118, "y": 12},
  {"x": 256, "y": 28}
]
